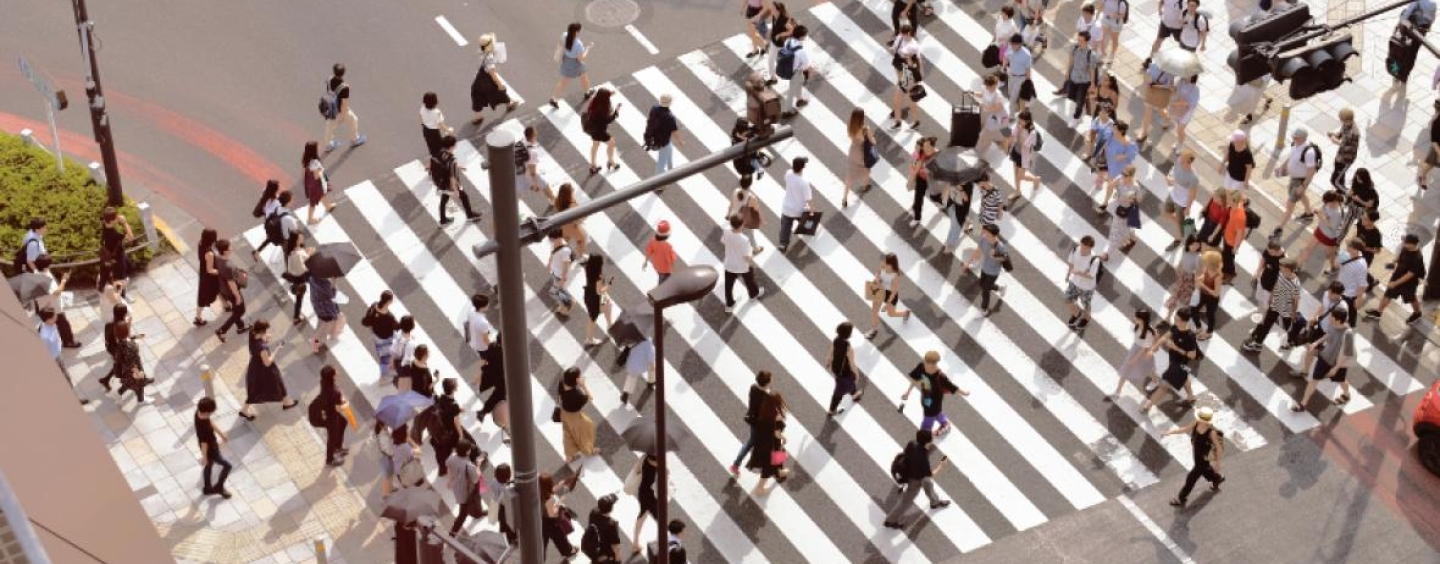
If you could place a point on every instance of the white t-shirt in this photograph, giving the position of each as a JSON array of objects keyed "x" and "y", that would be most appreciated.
[
  {"x": 560, "y": 261},
  {"x": 1005, "y": 28},
  {"x": 1301, "y": 161},
  {"x": 1093, "y": 26},
  {"x": 802, "y": 55},
  {"x": 271, "y": 206},
  {"x": 1172, "y": 13},
  {"x": 431, "y": 118},
  {"x": 1195, "y": 23},
  {"x": 737, "y": 251},
  {"x": 1082, "y": 263},
  {"x": 479, "y": 327},
  {"x": 797, "y": 194}
]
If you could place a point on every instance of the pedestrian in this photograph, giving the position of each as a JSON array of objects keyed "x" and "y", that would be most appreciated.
[
  {"x": 601, "y": 540},
  {"x": 578, "y": 429},
  {"x": 739, "y": 264},
  {"x": 1239, "y": 162},
  {"x": 909, "y": 77},
  {"x": 1311, "y": 329},
  {"x": 992, "y": 207},
  {"x": 1208, "y": 282},
  {"x": 128, "y": 364},
  {"x": 574, "y": 232},
  {"x": 1159, "y": 89},
  {"x": 797, "y": 201},
  {"x": 1097, "y": 140},
  {"x": 556, "y": 522},
  {"x": 674, "y": 546},
  {"x": 1236, "y": 227},
  {"x": 925, "y": 150},
  {"x": 530, "y": 170},
  {"x": 382, "y": 324},
  {"x": 1217, "y": 214},
  {"x": 1138, "y": 368},
  {"x": 1332, "y": 354},
  {"x": 639, "y": 362},
  {"x": 571, "y": 54},
  {"x": 842, "y": 366},
  {"x": 55, "y": 300},
  {"x": 505, "y": 496},
  {"x": 1432, "y": 152},
  {"x": 1023, "y": 153},
  {"x": 1208, "y": 445},
  {"x": 793, "y": 65},
  {"x": 660, "y": 253},
  {"x": 1006, "y": 26},
  {"x": 769, "y": 455},
  {"x": 445, "y": 174},
  {"x": 1090, "y": 23},
  {"x": 1347, "y": 141},
  {"x": 1106, "y": 96},
  {"x": 933, "y": 385},
  {"x": 416, "y": 375},
  {"x": 1018, "y": 64},
  {"x": 955, "y": 199},
  {"x": 883, "y": 292},
  {"x": 208, "y": 277},
  {"x": 1181, "y": 348},
  {"x": 662, "y": 133},
  {"x": 263, "y": 383},
  {"x": 1195, "y": 30},
  {"x": 1267, "y": 274},
  {"x": 1122, "y": 202},
  {"x": 1301, "y": 165},
  {"x": 561, "y": 257},
  {"x": 1328, "y": 231},
  {"x": 645, "y": 496},
  {"x": 744, "y": 205},
  {"x": 903, "y": 13},
  {"x": 782, "y": 27},
  {"x": 1120, "y": 151},
  {"x": 432, "y": 123},
  {"x": 114, "y": 234},
  {"x": 1283, "y": 305},
  {"x": 1082, "y": 267},
  {"x": 117, "y": 313},
  {"x": 232, "y": 284},
  {"x": 1184, "y": 190},
  {"x": 919, "y": 474},
  {"x": 756, "y": 13},
  {"x": 990, "y": 252},
  {"x": 1081, "y": 69},
  {"x": 597, "y": 298},
  {"x": 1368, "y": 232},
  {"x": 994, "y": 114},
  {"x": 598, "y": 114},
  {"x": 111, "y": 295},
  {"x": 50, "y": 336},
  {"x": 34, "y": 245},
  {"x": 759, "y": 390},
  {"x": 317, "y": 183},
  {"x": 861, "y": 158},
  {"x": 1354, "y": 273},
  {"x": 339, "y": 90},
  {"x": 492, "y": 379},
  {"x": 332, "y": 320},
  {"x": 1183, "y": 105},
  {"x": 278, "y": 207},
  {"x": 1172, "y": 21},
  {"x": 402, "y": 352},
  {"x": 395, "y": 450},
  {"x": 1114, "y": 15},
  {"x": 752, "y": 162},
  {"x": 211, "y": 436},
  {"x": 335, "y": 410},
  {"x": 465, "y": 483},
  {"x": 478, "y": 333},
  {"x": 488, "y": 90},
  {"x": 296, "y": 273},
  {"x": 1409, "y": 269}
]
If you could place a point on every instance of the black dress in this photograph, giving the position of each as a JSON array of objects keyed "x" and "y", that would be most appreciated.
[
  {"x": 484, "y": 92},
  {"x": 765, "y": 444},
  {"x": 112, "y": 246},
  {"x": 262, "y": 383},
  {"x": 209, "y": 285},
  {"x": 646, "y": 496}
]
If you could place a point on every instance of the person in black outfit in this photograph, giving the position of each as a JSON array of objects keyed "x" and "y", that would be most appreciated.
[
  {"x": 230, "y": 290},
  {"x": 918, "y": 475},
  {"x": 422, "y": 380},
  {"x": 211, "y": 437},
  {"x": 334, "y": 406},
  {"x": 446, "y": 430},
  {"x": 599, "y": 114},
  {"x": 673, "y": 543},
  {"x": 445, "y": 173},
  {"x": 1405, "y": 280},
  {"x": 112, "y": 345},
  {"x": 758, "y": 392},
  {"x": 607, "y": 531},
  {"x": 646, "y": 496},
  {"x": 906, "y": 11},
  {"x": 1369, "y": 233},
  {"x": 1208, "y": 443},
  {"x": 492, "y": 377},
  {"x": 842, "y": 367},
  {"x": 1182, "y": 348}
]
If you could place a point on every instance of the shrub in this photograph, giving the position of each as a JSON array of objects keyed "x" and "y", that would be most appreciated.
[{"x": 70, "y": 202}]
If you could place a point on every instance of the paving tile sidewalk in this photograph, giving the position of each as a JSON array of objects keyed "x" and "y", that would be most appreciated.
[{"x": 285, "y": 498}]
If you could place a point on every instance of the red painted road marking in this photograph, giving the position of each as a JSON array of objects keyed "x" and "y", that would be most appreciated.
[{"x": 83, "y": 146}]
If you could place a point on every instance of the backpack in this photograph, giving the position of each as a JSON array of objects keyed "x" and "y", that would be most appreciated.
[
  {"x": 21, "y": 261},
  {"x": 369, "y": 318},
  {"x": 330, "y": 101},
  {"x": 785, "y": 60},
  {"x": 522, "y": 157},
  {"x": 316, "y": 413},
  {"x": 275, "y": 228},
  {"x": 1252, "y": 219},
  {"x": 652, "y": 549},
  {"x": 652, "y": 129},
  {"x": 1319, "y": 155},
  {"x": 590, "y": 541},
  {"x": 897, "y": 468},
  {"x": 440, "y": 171},
  {"x": 1099, "y": 270}
]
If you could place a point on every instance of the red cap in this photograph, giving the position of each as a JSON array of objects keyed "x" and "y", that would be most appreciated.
[{"x": 663, "y": 227}]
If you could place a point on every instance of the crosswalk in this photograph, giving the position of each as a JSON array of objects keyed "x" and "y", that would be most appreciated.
[{"x": 1037, "y": 438}]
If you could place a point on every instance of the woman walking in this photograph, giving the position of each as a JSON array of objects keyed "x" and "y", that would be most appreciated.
[
  {"x": 432, "y": 125},
  {"x": 209, "y": 278},
  {"x": 994, "y": 114},
  {"x": 263, "y": 383},
  {"x": 268, "y": 205},
  {"x": 782, "y": 26},
  {"x": 744, "y": 204},
  {"x": 1122, "y": 201},
  {"x": 555, "y": 524},
  {"x": 956, "y": 199},
  {"x": 1102, "y": 128},
  {"x": 599, "y": 114},
  {"x": 382, "y": 326},
  {"x": 1105, "y": 96},
  {"x": 1186, "y": 267},
  {"x": 1208, "y": 282},
  {"x": 769, "y": 457},
  {"x": 862, "y": 157},
  {"x": 1022, "y": 153},
  {"x": 842, "y": 366},
  {"x": 574, "y": 232},
  {"x": 296, "y": 273},
  {"x": 114, "y": 234},
  {"x": 571, "y": 54},
  {"x": 488, "y": 90},
  {"x": 128, "y": 363},
  {"x": 578, "y": 429},
  {"x": 645, "y": 495},
  {"x": 395, "y": 450},
  {"x": 596, "y": 298},
  {"x": 1184, "y": 186},
  {"x": 1328, "y": 231},
  {"x": 316, "y": 183},
  {"x": 332, "y": 320},
  {"x": 883, "y": 291},
  {"x": 909, "y": 90},
  {"x": 756, "y": 13},
  {"x": 920, "y": 176},
  {"x": 337, "y": 415},
  {"x": 1138, "y": 367},
  {"x": 464, "y": 479}
]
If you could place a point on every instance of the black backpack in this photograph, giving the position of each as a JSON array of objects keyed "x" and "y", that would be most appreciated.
[
  {"x": 522, "y": 157},
  {"x": 1099, "y": 270},
  {"x": 652, "y": 549},
  {"x": 590, "y": 541},
  {"x": 274, "y": 228},
  {"x": 652, "y": 129},
  {"x": 897, "y": 468},
  {"x": 1319, "y": 155},
  {"x": 440, "y": 170},
  {"x": 22, "y": 264},
  {"x": 317, "y": 414}
]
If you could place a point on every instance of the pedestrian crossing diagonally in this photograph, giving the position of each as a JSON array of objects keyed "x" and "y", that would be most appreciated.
[{"x": 1037, "y": 438}]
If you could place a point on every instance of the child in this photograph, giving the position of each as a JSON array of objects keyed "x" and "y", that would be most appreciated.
[{"x": 660, "y": 253}]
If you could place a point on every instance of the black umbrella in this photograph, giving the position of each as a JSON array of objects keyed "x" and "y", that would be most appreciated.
[
  {"x": 640, "y": 436},
  {"x": 333, "y": 260},
  {"x": 30, "y": 285},
  {"x": 408, "y": 504},
  {"x": 957, "y": 165}
]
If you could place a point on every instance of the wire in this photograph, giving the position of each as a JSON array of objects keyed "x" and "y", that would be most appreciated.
[{"x": 62, "y": 537}]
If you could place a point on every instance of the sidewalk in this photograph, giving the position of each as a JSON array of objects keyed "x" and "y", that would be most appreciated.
[{"x": 285, "y": 498}]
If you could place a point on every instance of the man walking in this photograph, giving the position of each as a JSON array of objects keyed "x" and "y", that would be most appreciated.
[
  {"x": 1332, "y": 360},
  {"x": 1405, "y": 280},
  {"x": 793, "y": 65},
  {"x": 758, "y": 392},
  {"x": 337, "y": 93},
  {"x": 662, "y": 133},
  {"x": 1354, "y": 273},
  {"x": 918, "y": 474},
  {"x": 445, "y": 173},
  {"x": 1284, "y": 303},
  {"x": 933, "y": 385},
  {"x": 1172, "y": 21},
  {"x": 34, "y": 246},
  {"x": 739, "y": 263},
  {"x": 798, "y": 194},
  {"x": 211, "y": 436},
  {"x": 1082, "y": 66},
  {"x": 477, "y": 331},
  {"x": 1347, "y": 141},
  {"x": 1208, "y": 445},
  {"x": 50, "y": 335},
  {"x": 674, "y": 545},
  {"x": 1018, "y": 64},
  {"x": 1080, "y": 286},
  {"x": 1300, "y": 166},
  {"x": 988, "y": 252},
  {"x": 639, "y": 363}
]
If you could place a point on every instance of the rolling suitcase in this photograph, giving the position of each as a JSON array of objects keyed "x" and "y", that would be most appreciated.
[{"x": 965, "y": 122}]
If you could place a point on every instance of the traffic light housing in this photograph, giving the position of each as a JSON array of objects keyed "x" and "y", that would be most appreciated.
[
  {"x": 1249, "y": 60},
  {"x": 1312, "y": 68}
]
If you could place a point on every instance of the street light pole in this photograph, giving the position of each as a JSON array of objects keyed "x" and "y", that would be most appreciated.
[
  {"x": 515, "y": 347},
  {"x": 98, "y": 118}
]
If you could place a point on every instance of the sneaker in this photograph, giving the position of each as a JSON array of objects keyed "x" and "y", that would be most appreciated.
[
  {"x": 359, "y": 141},
  {"x": 624, "y": 398},
  {"x": 1305, "y": 218},
  {"x": 759, "y": 294},
  {"x": 1372, "y": 314},
  {"x": 734, "y": 470},
  {"x": 1251, "y": 346},
  {"x": 729, "y": 309},
  {"x": 331, "y": 146},
  {"x": 914, "y": 223},
  {"x": 222, "y": 492},
  {"x": 1413, "y": 317},
  {"x": 940, "y": 504}
]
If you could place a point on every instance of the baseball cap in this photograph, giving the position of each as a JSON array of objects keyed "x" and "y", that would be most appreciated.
[
  {"x": 1300, "y": 132},
  {"x": 663, "y": 227}
]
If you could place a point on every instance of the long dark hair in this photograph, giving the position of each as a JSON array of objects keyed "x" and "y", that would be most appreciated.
[
  {"x": 1361, "y": 178},
  {"x": 565, "y": 197},
  {"x": 600, "y": 107},
  {"x": 781, "y": 13},
  {"x": 570, "y": 32},
  {"x": 293, "y": 242},
  {"x": 1142, "y": 322},
  {"x": 593, "y": 267},
  {"x": 327, "y": 379},
  {"x": 207, "y": 241},
  {"x": 272, "y": 190},
  {"x": 312, "y": 152}
]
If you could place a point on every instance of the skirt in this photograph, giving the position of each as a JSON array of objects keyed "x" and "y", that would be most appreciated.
[
  {"x": 263, "y": 384},
  {"x": 485, "y": 93},
  {"x": 1138, "y": 366},
  {"x": 579, "y": 433},
  {"x": 571, "y": 68},
  {"x": 1182, "y": 289},
  {"x": 209, "y": 290}
]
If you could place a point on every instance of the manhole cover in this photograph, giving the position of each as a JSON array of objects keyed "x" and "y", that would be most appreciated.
[{"x": 612, "y": 13}]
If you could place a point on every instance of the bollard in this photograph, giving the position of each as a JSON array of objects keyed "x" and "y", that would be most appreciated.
[
  {"x": 28, "y": 137},
  {"x": 320, "y": 556},
  {"x": 208, "y": 380},
  {"x": 1284, "y": 125},
  {"x": 97, "y": 172},
  {"x": 147, "y": 217}
]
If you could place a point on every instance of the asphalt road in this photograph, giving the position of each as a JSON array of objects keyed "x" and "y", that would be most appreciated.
[{"x": 209, "y": 99}]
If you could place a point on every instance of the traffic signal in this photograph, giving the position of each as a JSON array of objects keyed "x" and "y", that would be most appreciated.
[
  {"x": 1249, "y": 60},
  {"x": 1313, "y": 68}
]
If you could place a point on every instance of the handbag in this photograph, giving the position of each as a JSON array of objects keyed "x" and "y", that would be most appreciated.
[
  {"x": 564, "y": 520},
  {"x": 918, "y": 92},
  {"x": 555, "y": 415},
  {"x": 778, "y": 457},
  {"x": 869, "y": 154},
  {"x": 873, "y": 291},
  {"x": 990, "y": 57},
  {"x": 632, "y": 480},
  {"x": 1158, "y": 96},
  {"x": 749, "y": 217}
]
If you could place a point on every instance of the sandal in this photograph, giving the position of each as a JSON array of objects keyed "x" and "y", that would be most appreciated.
[
  {"x": 1297, "y": 408},
  {"x": 199, "y": 322},
  {"x": 1343, "y": 399},
  {"x": 1177, "y": 502},
  {"x": 1215, "y": 487}
]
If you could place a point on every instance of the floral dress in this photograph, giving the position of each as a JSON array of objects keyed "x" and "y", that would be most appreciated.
[{"x": 1184, "y": 285}]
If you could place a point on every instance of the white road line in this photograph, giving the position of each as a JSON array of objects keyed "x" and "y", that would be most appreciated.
[
  {"x": 1155, "y": 530},
  {"x": 450, "y": 29},
  {"x": 635, "y": 32}
]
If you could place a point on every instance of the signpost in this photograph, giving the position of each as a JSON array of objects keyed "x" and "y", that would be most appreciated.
[{"x": 54, "y": 101}]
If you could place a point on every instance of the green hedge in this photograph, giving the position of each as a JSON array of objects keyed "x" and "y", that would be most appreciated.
[{"x": 70, "y": 202}]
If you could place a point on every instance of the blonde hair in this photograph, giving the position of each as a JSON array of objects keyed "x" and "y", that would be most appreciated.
[
  {"x": 1210, "y": 260},
  {"x": 1347, "y": 115}
]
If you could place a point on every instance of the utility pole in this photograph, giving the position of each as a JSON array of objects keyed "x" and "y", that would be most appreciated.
[{"x": 98, "y": 118}]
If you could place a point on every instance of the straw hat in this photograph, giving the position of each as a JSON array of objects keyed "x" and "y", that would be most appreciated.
[
  {"x": 1204, "y": 414},
  {"x": 486, "y": 42}
]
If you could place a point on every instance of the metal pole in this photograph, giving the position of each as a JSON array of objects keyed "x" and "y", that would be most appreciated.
[
  {"x": 208, "y": 380},
  {"x": 98, "y": 118},
  {"x": 662, "y": 474},
  {"x": 1410, "y": 30},
  {"x": 1432, "y": 280},
  {"x": 55, "y": 135},
  {"x": 511, "y": 290},
  {"x": 1284, "y": 125}
]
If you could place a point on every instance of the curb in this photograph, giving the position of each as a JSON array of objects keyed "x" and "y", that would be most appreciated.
[{"x": 169, "y": 234}]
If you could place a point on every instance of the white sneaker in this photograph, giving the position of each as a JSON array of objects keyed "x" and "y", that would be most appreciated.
[
  {"x": 914, "y": 223},
  {"x": 759, "y": 294},
  {"x": 729, "y": 309}
]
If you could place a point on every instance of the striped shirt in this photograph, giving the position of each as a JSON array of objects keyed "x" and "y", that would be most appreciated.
[
  {"x": 990, "y": 206},
  {"x": 1354, "y": 274},
  {"x": 1349, "y": 144},
  {"x": 1284, "y": 299}
]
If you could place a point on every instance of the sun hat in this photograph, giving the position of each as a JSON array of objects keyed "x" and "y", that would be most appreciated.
[{"x": 1204, "y": 414}]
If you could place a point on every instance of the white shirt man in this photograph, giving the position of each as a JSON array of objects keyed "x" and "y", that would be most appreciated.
[
  {"x": 1080, "y": 278},
  {"x": 795, "y": 95},
  {"x": 739, "y": 258},
  {"x": 798, "y": 194}
]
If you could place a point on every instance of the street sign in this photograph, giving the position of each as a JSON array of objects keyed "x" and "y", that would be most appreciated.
[{"x": 54, "y": 101}]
